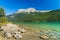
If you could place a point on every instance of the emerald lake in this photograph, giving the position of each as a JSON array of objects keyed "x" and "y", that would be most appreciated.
[{"x": 45, "y": 25}]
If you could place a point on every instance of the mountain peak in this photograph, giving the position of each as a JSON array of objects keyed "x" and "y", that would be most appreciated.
[{"x": 26, "y": 10}]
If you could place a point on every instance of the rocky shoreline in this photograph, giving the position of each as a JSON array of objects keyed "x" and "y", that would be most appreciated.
[{"x": 33, "y": 34}]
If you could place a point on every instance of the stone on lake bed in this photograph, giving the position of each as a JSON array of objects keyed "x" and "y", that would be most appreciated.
[
  {"x": 17, "y": 35},
  {"x": 7, "y": 35},
  {"x": 22, "y": 30},
  {"x": 44, "y": 37},
  {"x": 49, "y": 35}
]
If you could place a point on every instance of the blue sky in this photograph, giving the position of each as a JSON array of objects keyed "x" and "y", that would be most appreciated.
[{"x": 12, "y": 6}]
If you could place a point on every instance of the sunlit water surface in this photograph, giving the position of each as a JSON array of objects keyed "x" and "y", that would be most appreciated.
[{"x": 45, "y": 25}]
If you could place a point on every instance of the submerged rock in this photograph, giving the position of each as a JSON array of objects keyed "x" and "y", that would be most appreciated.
[
  {"x": 22, "y": 30},
  {"x": 44, "y": 37},
  {"x": 7, "y": 35},
  {"x": 17, "y": 35},
  {"x": 49, "y": 35}
]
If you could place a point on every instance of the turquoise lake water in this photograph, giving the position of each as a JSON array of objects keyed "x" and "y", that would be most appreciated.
[{"x": 45, "y": 25}]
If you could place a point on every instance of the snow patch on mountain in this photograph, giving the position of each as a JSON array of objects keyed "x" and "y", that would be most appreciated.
[
  {"x": 45, "y": 11},
  {"x": 26, "y": 10},
  {"x": 31, "y": 10}
]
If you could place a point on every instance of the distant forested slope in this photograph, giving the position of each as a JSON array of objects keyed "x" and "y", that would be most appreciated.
[{"x": 35, "y": 16}]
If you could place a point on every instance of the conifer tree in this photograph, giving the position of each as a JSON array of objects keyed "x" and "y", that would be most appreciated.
[{"x": 3, "y": 19}]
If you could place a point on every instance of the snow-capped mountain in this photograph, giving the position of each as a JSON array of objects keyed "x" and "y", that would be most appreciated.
[
  {"x": 26, "y": 10},
  {"x": 31, "y": 10}
]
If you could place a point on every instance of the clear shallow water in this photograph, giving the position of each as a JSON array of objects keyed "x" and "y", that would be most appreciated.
[{"x": 45, "y": 25}]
